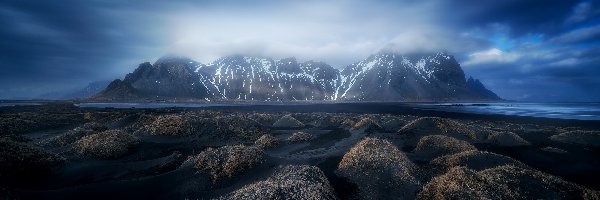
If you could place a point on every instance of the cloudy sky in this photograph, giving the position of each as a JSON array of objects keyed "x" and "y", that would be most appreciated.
[{"x": 536, "y": 50}]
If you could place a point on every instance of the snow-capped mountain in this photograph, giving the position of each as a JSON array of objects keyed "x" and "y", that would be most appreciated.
[
  {"x": 391, "y": 76},
  {"x": 254, "y": 78},
  {"x": 383, "y": 76}
]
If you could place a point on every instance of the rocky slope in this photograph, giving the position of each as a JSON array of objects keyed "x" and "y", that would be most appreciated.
[
  {"x": 169, "y": 77},
  {"x": 381, "y": 77}
]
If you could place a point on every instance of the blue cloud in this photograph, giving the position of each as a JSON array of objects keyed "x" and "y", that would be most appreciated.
[{"x": 49, "y": 45}]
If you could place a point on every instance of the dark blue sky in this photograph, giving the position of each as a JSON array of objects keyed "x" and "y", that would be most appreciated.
[{"x": 540, "y": 50}]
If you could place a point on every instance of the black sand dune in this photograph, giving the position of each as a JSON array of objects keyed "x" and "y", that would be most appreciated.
[{"x": 318, "y": 151}]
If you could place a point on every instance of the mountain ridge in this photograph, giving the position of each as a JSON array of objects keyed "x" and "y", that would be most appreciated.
[{"x": 385, "y": 76}]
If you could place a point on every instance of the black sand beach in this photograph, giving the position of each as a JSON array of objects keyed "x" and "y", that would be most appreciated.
[{"x": 304, "y": 151}]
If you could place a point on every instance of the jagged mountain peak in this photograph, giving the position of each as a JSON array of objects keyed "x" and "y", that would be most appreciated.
[
  {"x": 387, "y": 58},
  {"x": 409, "y": 77},
  {"x": 172, "y": 58},
  {"x": 315, "y": 66},
  {"x": 288, "y": 60}
]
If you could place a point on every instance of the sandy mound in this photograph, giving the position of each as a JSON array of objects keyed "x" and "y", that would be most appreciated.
[
  {"x": 77, "y": 133},
  {"x": 263, "y": 118},
  {"x": 266, "y": 141},
  {"x": 329, "y": 120},
  {"x": 368, "y": 124},
  {"x": 288, "y": 121},
  {"x": 227, "y": 161},
  {"x": 504, "y": 182},
  {"x": 169, "y": 125},
  {"x": 432, "y": 146},
  {"x": 140, "y": 123},
  {"x": 462, "y": 183},
  {"x": 476, "y": 160},
  {"x": 379, "y": 170},
  {"x": 506, "y": 139},
  {"x": 347, "y": 122},
  {"x": 300, "y": 137},
  {"x": 326, "y": 120},
  {"x": 579, "y": 137},
  {"x": 393, "y": 124},
  {"x": 289, "y": 182},
  {"x": 21, "y": 162},
  {"x": 440, "y": 126},
  {"x": 106, "y": 145},
  {"x": 232, "y": 127}
]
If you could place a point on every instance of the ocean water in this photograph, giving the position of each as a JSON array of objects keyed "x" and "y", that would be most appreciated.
[{"x": 580, "y": 111}]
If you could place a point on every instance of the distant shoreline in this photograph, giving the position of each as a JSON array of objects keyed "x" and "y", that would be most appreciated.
[{"x": 405, "y": 108}]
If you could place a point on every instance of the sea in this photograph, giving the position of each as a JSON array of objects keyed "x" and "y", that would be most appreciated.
[{"x": 579, "y": 111}]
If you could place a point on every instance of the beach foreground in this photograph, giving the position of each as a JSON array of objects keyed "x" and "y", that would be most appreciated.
[{"x": 362, "y": 151}]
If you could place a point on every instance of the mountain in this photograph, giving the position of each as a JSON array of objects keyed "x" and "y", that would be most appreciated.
[
  {"x": 417, "y": 77},
  {"x": 168, "y": 77},
  {"x": 385, "y": 76},
  {"x": 476, "y": 86},
  {"x": 254, "y": 78}
]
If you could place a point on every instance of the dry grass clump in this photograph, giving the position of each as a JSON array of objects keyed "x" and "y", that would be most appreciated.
[
  {"x": 263, "y": 118},
  {"x": 202, "y": 114},
  {"x": 379, "y": 170},
  {"x": 506, "y": 139},
  {"x": 578, "y": 137},
  {"x": 233, "y": 127},
  {"x": 300, "y": 136},
  {"x": 327, "y": 120},
  {"x": 463, "y": 183},
  {"x": 24, "y": 122},
  {"x": 476, "y": 160},
  {"x": 75, "y": 134},
  {"x": 169, "y": 125},
  {"x": 20, "y": 162},
  {"x": 441, "y": 126},
  {"x": 436, "y": 125},
  {"x": 300, "y": 182},
  {"x": 139, "y": 125},
  {"x": 334, "y": 120},
  {"x": 348, "y": 122},
  {"x": 307, "y": 117},
  {"x": 288, "y": 121},
  {"x": 227, "y": 161},
  {"x": 503, "y": 182},
  {"x": 106, "y": 145},
  {"x": 266, "y": 141},
  {"x": 89, "y": 116},
  {"x": 368, "y": 124},
  {"x": 432, "y": 146}
]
